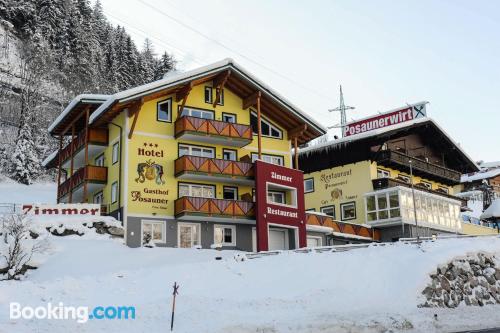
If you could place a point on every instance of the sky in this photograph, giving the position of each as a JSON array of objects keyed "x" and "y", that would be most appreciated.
[{"x": 384, "y": 53}]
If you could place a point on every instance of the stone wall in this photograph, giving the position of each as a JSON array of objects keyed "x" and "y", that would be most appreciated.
[{"x": 470, "y": 280}]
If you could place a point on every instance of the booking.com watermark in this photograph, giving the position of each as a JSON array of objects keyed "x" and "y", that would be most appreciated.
[{"x": 81, "y": 314}]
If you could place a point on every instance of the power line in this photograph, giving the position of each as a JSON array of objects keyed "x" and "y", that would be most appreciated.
[{"x": 187, "y": 26}]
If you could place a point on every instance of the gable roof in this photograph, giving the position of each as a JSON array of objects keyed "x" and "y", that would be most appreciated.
[
  {"x": 338, "y": 146},
  {"x": 241, "y": 82}
]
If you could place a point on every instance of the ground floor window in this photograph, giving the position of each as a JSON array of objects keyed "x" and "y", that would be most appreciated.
[
  {"x": 225, "y": 235},
  {"x": 348, "y": 211},
  {"x": 314, "y": 241},
  {"x": 188, "y": 235},
  {"x": 152, "y": 232}
]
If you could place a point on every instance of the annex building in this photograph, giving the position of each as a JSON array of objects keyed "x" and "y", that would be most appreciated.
[
  {"x": 199, "y": 158},
  {"x": 398, "y": 171}
]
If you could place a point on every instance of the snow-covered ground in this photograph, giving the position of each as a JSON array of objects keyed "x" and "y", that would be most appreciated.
[
  {"x": 12, "y": 192},
  {"x": 376, "y": 289}
]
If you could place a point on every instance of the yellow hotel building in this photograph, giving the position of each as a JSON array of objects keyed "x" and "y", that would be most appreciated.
[{"x": 173, "y": 159}]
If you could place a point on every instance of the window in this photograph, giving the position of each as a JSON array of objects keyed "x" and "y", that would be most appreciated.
[
  {"x": 99, "y": 160},
  {"x": 308, "y": 185},
  {"x": 381, "y": 173},
  {"x": 164, "y": 111},
  {"x": 198, "y": 113},
  {"x": 98, "y": 198},
  {"x": 266, "y": 127},
  {"x": 114, "y": 192},
  {"x": 427, "y": 185},
  {"x": 152, "y": 232},
  {"x": 230, "y": 193},
  {"x": 276, "y": 197},
  {"x": 443, "y": 189},
  {"x": 114, "y": 155},
  {"x": 328, "y": 210},
  {"x": 229, "y": 154},
  {"x": 278, "y": 160},
  {"x": 208, "y": 95},
  {"x": 404, "y": 178},
  {"x": 229, "y": 117},
  {"x": 196, "y": 151},
  {"x": 221, "y": 97},
  {"x": 225, "y": 235},
  {"x": 348, "y": 211},
  {"x": 383, "y": 206},
  {"x": 188, "y": 235},
  {"x": 311, "y": 210},
  {"x": 196, "y": 190}
]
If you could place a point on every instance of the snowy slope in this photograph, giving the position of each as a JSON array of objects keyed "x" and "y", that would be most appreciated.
[
  {"x": 14, "y": 193},
  {"x": 365, "y": 290}
]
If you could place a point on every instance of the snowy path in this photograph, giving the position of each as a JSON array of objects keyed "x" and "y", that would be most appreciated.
[{"x": 367, "y": 290}]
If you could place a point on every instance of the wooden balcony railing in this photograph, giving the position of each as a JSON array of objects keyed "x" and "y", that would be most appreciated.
[
  {"x": 213, "y": 166},
  {"x": 201, "y": 126},
  {"x": 419, "y": 166},
  {"x": 89, "y": 173},
  {"x": 345, "y": 228},
  {"x": 383, "y": 183},
  {"x": 214, "y": 207},
  {"x": 97, "y": 136}
]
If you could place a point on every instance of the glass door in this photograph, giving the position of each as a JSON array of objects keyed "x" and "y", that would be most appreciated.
[{"x": 189, "y": 235}]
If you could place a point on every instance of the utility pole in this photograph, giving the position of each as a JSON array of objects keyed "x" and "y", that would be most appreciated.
[
  {"x": 413, "y": 195},
  {"x": 342, "y": 109}
]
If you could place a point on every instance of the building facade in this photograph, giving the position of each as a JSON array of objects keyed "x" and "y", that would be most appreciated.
[
  {"x": 175, "y": 160},
  {"x": 399, "y": 177}
]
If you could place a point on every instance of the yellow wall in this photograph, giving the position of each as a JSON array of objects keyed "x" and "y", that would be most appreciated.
[
  {"x": 160, "y": 135},
  {"x": 474, "y": 229}
]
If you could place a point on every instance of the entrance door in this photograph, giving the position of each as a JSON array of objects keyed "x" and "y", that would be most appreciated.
[
  {"x": 278, "y": 239},
  {"x": 189, "y": 235}
]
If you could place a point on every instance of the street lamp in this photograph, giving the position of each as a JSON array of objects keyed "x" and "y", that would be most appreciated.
[{"x": 413, "y": 195}]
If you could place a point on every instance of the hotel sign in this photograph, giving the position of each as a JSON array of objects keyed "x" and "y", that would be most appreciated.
[{"x": 386, "y": 119}]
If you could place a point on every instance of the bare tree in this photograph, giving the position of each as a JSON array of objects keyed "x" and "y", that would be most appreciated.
[{"x": 17, "y": 247}]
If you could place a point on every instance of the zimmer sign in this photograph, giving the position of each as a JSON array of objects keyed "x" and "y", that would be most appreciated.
[
  {"x": 394, "y": 117},
  {"x": 62, "y": 209}
]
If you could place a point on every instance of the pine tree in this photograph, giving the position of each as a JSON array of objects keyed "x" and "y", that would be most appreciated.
[
  {"x": 148, "y": 58},
  {"x": 164, "y": 65},
  {"x": 25, "y": 166}
]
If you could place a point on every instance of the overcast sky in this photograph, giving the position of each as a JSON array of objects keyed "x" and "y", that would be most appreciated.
[{"x": 384, "y": 53}]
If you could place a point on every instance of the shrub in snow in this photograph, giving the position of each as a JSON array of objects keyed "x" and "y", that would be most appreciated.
[{"x": 17, "y": 247}]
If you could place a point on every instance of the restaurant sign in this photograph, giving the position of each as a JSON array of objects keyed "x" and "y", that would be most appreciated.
[{"x": 393, "y": 117}]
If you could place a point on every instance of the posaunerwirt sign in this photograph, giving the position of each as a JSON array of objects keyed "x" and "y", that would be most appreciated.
[
  {"x": 389, "y": 118},
  {"x": 62, "y": 209}
]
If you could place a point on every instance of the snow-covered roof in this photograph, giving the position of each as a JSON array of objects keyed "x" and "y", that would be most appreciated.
[
  {"x": 489, "y": 165},
  {"x": 49, "y": 158},
  {"x": 480, "y": 175},
  {"x": 319, "y": 228},
  {"x": 345, "y": 235},
  {"x": 184, "y": 77},
  {"x": 352, "y": 138},
  {"x": 493, "y": 211},
  {"x": 83, "y": 98}
]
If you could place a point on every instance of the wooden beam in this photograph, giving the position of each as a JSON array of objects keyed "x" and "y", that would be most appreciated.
[
  {"x": 259, "y": 127},
  {"x": 87, "y": 114},
  {"x": 219, "y": 83},
  {"x": 251, "y": 100},
  {"x": 297, "y": 131},
  {"x": 296, "y": 151},
  {"x": 59, "y": 166},
  {"x": 183, "y": 92},
  {"x": 136, "y": 108},
  {"x": 72, "y": 150}
]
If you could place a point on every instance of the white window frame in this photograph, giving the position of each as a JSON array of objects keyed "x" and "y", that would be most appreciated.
[
  {"x": 406, "y": 178},
  {"x": 114, "y": 152},
  {"x": 99, "y": 160},
  {"x": 114, "y": 192},
  {"x": 202, "y": 149},
  {"x": 320, "y": 243},
  {"x": 221, "y": 97},
  {"x": 276, "y": 193},
  {"x": 322, "y": 209},
  {"x": 190, "y": 189},
  {"x": 234, "y": 189},
  {"x": 196, "y": 225},
  {"x": 188, "y": 111},
  {"x": 342, "y": 205},
  {"x": 271, "y": 127},
  {"x": 169, "y": 111},
  {"x": 426, "y": 184},
  {"x": 311, "y": 180},
  {"x": 231, "y": 152},
  {"x": 233, "y": 234},
  {"x": 445, "y": 189},
  {"x": 100, "y": 195},
  {"x": 269, "y": 158},
  {"x": 273, "y": 189},
  {"x": 229, "y": 115},
  {"x": 382, "y": 173},
  {"x": 152, "y": 222},
  {"x": 208, "y": 89}
]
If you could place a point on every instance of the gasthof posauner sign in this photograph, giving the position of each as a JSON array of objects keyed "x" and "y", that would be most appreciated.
[
  {"x": 62, "y": 209},
  {"x": 389, "y": 118}
]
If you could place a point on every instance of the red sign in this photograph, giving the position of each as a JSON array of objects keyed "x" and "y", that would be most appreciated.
[
  {"x": 279, "y": 202},
  {"x": 386, "y": 119}
]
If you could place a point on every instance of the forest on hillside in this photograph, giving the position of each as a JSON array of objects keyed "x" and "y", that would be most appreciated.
[{"x": 51, "y": 51}]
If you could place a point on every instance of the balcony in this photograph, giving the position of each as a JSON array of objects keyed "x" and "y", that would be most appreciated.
[
  {"x": 349, "y": 230},
  {"x": 383, "y": 183},
  {"x": 213, "y": 169},
  {"x": 391, "y": 158},
  {"x": 213, "y": 131},
  {"x": 95, "y": 177},
  {"x": 98, "y": 141},
  {"x": 218, "y": 210}
]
